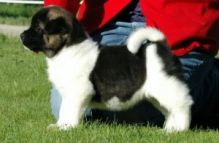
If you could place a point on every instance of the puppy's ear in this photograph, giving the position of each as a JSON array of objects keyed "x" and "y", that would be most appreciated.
[
  {"x": 57, "y": 26},
  {"x": 78, "y": 33}
]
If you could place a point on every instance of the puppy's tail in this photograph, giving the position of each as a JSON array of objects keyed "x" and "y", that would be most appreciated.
[{"x": 142, "y": 36}]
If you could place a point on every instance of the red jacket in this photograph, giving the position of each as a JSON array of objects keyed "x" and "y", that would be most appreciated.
[{"x": 188, "y": 24}]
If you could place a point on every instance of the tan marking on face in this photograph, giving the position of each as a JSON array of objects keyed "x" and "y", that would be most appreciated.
[
  {"x": 52, "y": 41},
  {"x": 56, "y": 13},
  {"x": 41, "y": 25},
  {"x": 53, "y": 14}
]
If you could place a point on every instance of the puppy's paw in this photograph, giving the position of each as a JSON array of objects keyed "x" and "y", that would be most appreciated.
[
  {"x": 174, "y": 127},
  {"x": 62, "y": 127},
  {"x": 177, "y": 122},
  {"x": 65, "y": 127}
]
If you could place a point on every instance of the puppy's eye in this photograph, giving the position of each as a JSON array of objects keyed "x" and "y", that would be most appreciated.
[
  {"x": 56, "y": 26},
  {"x": 39, "y": 30}
]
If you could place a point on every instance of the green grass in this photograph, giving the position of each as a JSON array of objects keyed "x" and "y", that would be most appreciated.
[
  {"x": 25, "y": 109},
  {"x": 17, "y": 14}
]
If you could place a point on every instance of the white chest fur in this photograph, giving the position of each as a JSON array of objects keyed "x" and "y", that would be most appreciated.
[
  {"x": 72, "y": 63},
  {"x": 69, "y": 73}
]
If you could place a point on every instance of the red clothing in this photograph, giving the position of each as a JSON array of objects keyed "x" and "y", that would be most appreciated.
[
  {"x": 70, "y": 5},
  {"x": 93, "y": 14},
  {"x": 188, "y": 24}
]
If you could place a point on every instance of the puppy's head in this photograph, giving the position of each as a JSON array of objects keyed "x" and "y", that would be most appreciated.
[{"x": 52, "y": 29}]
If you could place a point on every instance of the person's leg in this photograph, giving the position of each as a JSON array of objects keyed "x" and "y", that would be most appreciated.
[
  {"x": 116, "y": 33},
  {"x": 196, "y": 67},
  {"x": 201, "y": 72},
  {"x": 209, "y": 115}
]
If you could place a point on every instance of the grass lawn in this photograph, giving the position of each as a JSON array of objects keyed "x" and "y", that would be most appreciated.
[
  {"x": 25, "y": 109},
  {"x": 17, "y": 14}
]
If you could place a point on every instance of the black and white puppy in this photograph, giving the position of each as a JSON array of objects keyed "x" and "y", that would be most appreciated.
[{"x": 85, "y": 74}]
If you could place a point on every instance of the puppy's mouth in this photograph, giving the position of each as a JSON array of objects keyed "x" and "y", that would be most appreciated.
[
  {"x": 31, "y": 48},
  {"x": 36, "y": 49},
  {"x": 26, "y": 48}
]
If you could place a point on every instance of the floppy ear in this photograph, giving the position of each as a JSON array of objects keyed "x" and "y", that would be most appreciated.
[{"x": 57, "y": 26}]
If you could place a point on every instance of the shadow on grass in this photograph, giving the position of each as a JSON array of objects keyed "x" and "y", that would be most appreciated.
[
  {"x": 149, "y": 117},
  {"x": 204, "y": 123}
]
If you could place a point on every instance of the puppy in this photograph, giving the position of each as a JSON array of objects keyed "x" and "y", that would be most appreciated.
[{"x": 85, "y": 74}]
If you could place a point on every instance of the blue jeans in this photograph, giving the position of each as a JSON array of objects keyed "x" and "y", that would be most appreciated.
[{"x": 200, "y": 70}]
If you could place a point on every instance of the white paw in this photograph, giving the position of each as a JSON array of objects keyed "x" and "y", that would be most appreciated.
[
  {"x": 63, "y": 127},
  {"x": 177, "y": 122},
  {"x": 175, "y": 127}
]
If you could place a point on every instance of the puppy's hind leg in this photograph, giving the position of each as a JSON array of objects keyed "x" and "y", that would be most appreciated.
[
  {"x": 170, "y": 93},
  {"x": 174, "y": 102}
]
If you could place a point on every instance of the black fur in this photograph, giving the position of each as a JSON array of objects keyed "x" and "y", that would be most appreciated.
[
  {"x": 78, "y": 34},
  {"x": 172, "y": 65},
  {"x": 39, "y": 16},
  {"x": 117, "y": 73},
  {"x": 57, "y": 26}
]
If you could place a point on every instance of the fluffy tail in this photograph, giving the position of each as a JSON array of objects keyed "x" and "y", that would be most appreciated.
[{"x": 141, "y": 35}]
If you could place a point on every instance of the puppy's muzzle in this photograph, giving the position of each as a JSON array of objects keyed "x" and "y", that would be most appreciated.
[
  {"x": 24, "y": 40},
  {"x": 22, "y": 36}
]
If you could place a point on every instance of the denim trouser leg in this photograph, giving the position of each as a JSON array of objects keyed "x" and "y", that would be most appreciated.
[
  {"x": 201, "y": 73},
  {"x": 116, "y": 33}
]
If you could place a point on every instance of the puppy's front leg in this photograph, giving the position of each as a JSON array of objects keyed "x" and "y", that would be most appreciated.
[
  {"x": 72, "y": 109},
  {"x": 70, "y": 113}
]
